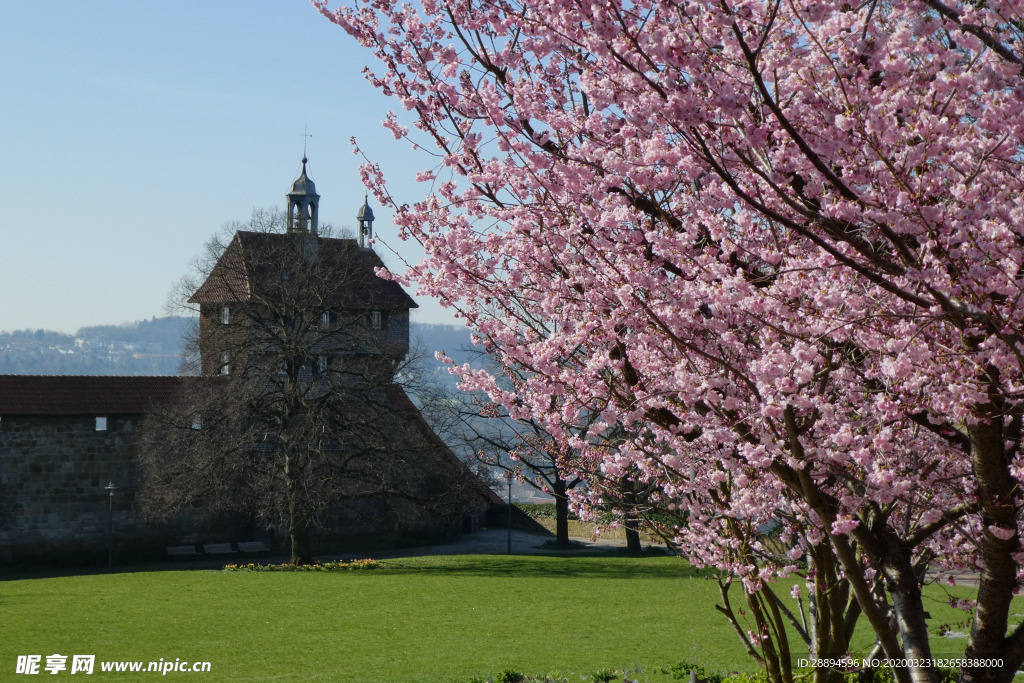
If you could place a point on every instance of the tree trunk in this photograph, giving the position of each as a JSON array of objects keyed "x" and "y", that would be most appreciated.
[
  {"x": 908, "y": 607},
  {"x": 999, "y": 573},
  {"x": 632, "y": 524},
  {"x": 829, "y": 624},
  {"x": 298, "y": 521},
  {"x": 561, "y": 513},
  {"x": 302, "y": 549},
  {"x": 633, "y": 534}
]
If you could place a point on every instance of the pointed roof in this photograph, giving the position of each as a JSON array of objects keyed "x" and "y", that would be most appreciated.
[
  {"x": 404, "y": 407},
  {"x": 365, "y": 212},
  {"x": 303, "y": 185},
  {"x": 250, "y": 264}
]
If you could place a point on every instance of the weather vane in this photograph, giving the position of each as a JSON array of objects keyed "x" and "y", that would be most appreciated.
[{"x": 304, "y": 137}]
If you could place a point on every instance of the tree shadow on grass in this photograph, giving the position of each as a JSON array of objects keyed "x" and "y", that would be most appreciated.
[{"x": 551, "y": 566}]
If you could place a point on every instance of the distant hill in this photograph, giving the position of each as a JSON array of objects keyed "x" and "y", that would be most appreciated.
[
  {"x": 153, "y": 347},
  {"x": 145, "y": 347},
  {"x": 167, "y": 332},
  {"x": 454, "y": 341}
]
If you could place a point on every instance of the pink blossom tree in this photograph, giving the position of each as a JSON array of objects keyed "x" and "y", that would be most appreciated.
[{"x": 777, "y": 244}]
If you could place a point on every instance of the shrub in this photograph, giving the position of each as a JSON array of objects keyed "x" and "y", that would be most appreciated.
[
  {"x": 509, "y": 676},
  {"x": 883, "y": 674},
  {"x": 759, "y": 677},
  {"x": 543, "y": 511},
  {"x": 681, "y": 672}
]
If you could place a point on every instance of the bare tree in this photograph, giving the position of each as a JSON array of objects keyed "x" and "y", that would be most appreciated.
[
  {"x": 296, "y": 414},
  {"x": 485, "y": 435}
]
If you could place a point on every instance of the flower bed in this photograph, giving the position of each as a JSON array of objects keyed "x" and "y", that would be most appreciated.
[{"x": 325, "y": 567}]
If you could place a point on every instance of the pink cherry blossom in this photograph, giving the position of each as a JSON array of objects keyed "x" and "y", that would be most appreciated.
[{"x": 775, "y": 247}]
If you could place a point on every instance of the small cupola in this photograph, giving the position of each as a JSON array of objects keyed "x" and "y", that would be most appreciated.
[
  {"x": 303, "y": 204},
  {"x": 365, "y": 218}
]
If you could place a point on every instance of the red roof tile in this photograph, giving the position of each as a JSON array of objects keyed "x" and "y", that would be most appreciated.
[
  {"x": 83, "y": 395},
  {"x": 245, "y": 266}
]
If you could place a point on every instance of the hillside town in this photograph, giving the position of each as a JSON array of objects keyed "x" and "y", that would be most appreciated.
[{"x": 145, "y": 347}]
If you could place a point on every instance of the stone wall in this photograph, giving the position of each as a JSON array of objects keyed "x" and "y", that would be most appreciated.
[
  {"x": 52, "y": 501},
  {"x": 395, "y": 333},
  {"x": 54, "y": 509}
]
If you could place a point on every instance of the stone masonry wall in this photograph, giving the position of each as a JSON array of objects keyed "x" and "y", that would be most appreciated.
[
  {"x": 54, "y": 509},
  {"x": 396, "y": 332},
  {"x": 52, "y": 473}
]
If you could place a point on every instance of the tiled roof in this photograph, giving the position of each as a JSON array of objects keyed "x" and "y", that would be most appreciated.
[
  {"x": 245, "y": 266},
  {"x": 83, "y": 395},
  {"x": 401, "y": 401}
]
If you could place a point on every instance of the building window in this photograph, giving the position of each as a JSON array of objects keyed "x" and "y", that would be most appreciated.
[
  {"x": 283, "y": 369},
  {"x": 225, "y": 363},
  {"x": 375, "y": 320},
  {"x": 325, "y": 320},
  {"x": 225, "y": 315},
  {"x": 197, "y": 422},
  {"x": 321, "y": 364},
  {"x": 101, "y": 424}
]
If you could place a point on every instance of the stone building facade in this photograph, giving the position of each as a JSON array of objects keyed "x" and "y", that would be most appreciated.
[{"x": 63, "y": 439}]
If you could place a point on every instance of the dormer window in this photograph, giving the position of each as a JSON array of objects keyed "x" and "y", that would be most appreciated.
[
  {"x": 375, "y": 320},
  {"x": 225, "y": 315},
  {"x": 321, "y": 364},
  {"x": 325, "y": 320}
]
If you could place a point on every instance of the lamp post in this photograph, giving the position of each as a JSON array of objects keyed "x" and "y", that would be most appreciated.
[
  {"x": 110, "y": 526},
  {"x": 509, "y": 513}
]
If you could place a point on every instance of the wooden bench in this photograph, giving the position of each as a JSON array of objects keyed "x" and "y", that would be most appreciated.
[
  {"x": 253, "y": 547},
  {"x": 218, "y": 549},
  {"x": 181, "y": 550}
]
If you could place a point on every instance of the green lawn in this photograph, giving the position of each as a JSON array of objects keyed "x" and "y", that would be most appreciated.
[{"x": 436, "y": 619}]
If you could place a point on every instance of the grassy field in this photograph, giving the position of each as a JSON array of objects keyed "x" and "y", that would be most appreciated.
[{"x": 436, "y": 619}]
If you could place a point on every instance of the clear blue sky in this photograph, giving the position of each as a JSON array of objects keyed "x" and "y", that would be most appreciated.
[{"x": 131, "y": 131}]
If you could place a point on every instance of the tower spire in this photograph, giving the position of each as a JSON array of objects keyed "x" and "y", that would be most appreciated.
[
  {"x": 365, "y": 218},
  {"x": 303, "y": 204}
]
